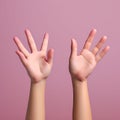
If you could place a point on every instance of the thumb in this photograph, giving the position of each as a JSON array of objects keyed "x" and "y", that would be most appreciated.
[
  {"x": 50, "y": 55},
  {"x": 73, "y": 48}
]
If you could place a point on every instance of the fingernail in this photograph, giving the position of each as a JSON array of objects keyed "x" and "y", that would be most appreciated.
[
  {"x": 94, "y": 30},
  {"x": 105, "y": 37},
  {"x": 46, "y": 35},
  {"x": 108, "y": 47}
]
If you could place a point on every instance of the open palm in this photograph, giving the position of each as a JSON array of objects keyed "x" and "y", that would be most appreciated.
[
  {"x": 37, "y": 63},
  {"x": 80, "y": 66}
]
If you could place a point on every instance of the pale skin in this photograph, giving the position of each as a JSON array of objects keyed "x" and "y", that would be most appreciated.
[
  {"x": 81, "y": 66},
  {"x": 38, "y": 64}
]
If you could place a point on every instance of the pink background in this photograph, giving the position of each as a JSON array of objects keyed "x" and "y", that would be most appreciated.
[{"x": 62, "y": 19}]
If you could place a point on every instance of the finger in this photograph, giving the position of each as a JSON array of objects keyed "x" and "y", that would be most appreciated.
[
  {"x": 21, "y": 47},
  {"x": 102, "y": 53},
  {"x": 22, "y": 57},
  {"x": 99, "y": 45},
  {"x": 31, "y": 42},
  {"x": 50, "y": 56},
  {"x": 45, "y": 42},
  {"x": 73, "y": 48},
  {"x": 89, "y": 40}
]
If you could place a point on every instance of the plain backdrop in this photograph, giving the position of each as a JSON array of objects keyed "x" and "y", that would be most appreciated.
[{"x": 63, "y": 20}]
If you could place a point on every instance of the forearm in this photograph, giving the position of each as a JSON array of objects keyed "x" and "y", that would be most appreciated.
[
  {"x": 81, "y": 102},
  {"x": 36, "y": 104}
]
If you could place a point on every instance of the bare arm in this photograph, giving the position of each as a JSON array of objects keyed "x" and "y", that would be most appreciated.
[
  {"x": 81, "y": 103},
  {"x": 38, "y": 64},
  {"x": 36, "y": 104},
  {"x": 81, "y": 66}
]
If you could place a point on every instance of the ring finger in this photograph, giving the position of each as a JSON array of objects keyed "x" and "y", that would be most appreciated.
[{"x": 21, "y": 47}]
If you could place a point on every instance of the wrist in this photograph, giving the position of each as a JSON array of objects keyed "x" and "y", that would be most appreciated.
[
  {"x": 41, "y": 82},
  {"x": 80, "y": 79},
  {"x": 78, "y": 82},
  {"x": 39, "y": 87}
]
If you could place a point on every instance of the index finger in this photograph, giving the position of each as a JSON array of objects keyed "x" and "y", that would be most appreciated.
[
  {"x": 45, "y": 42},
  {"x": 89, "y": 40}
]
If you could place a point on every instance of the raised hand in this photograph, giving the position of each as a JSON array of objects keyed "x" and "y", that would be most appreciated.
[
  {"x": 37, "y": 63},
  {"x": 82, "y": 64}
]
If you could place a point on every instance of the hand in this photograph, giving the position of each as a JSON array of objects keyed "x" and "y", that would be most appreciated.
[
  {"x": 81, "y": 65},
  {"x": 37, "y": 63}
]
